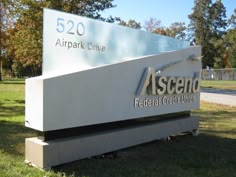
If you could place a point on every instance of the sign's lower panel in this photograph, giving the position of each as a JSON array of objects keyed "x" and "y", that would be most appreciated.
[{"x": 46, "y": 154}]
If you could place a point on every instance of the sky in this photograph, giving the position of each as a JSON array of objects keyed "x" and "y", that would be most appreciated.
[{"x": 168, "y": 11}]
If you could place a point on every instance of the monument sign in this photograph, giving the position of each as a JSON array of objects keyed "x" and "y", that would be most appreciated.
[{"x": 101, "y": 83}]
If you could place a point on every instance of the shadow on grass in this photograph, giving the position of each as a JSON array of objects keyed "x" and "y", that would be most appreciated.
[
  {"x": 217, "y": 115},
  {"x": 232, "y": 132},
  {"x": 12, "y": 137},
  {"x": 16, "y": 108},
  {"x": 11, "y": 111},
  {"x": 183, "y": 156},
  {"x": 13, "y": 81}
]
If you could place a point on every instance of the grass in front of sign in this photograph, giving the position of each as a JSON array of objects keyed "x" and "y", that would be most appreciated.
[
  {"x": 219, "y": 84},
  {"x": 212, "y": 153}
]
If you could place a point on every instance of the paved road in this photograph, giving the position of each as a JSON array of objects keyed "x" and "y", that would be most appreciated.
[{"x": 227, "y": 97}]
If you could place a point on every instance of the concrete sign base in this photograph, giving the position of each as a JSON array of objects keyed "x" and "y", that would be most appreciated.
[{"x": 46, "y": 154}]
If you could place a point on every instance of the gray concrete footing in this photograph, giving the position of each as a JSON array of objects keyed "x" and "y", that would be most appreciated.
[{"x": 55, "y": 152}]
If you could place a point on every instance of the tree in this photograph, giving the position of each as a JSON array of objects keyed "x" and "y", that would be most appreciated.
[
  {"x": 218, "y": 19},
  {"x": 176, "y": 30},
  {"x": 3, "y": 23},
  {"x": 1, "y": 38},
  {"x": 131, "y": 24},
  {"x": 232, "y": 20},
  {"x": 207, "y": 24},
  {"x": 230, "y": 40},
  {"x": 87, "y": 8},
  {"x": 152, "y": 24},
  {"x": 26, "y": 38},
  {"x": 230, "y": 43},
  {"x": 162, "y": 31}
]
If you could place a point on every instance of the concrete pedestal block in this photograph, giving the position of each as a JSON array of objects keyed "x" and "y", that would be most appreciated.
[{"x": 55, "y": 152}]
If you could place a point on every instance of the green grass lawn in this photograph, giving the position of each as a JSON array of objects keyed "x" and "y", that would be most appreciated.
[
  {"x": 211, "y": 154},
  {"x": 219, "y": 84}
]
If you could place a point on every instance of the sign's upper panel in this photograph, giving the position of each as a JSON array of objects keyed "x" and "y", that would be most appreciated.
[{"x": 74, "y": 43}]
